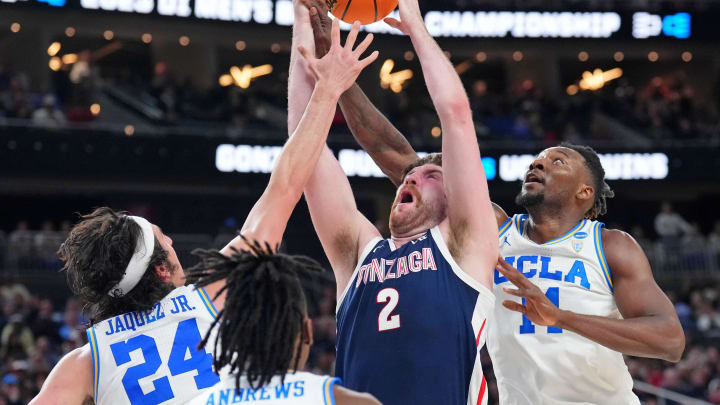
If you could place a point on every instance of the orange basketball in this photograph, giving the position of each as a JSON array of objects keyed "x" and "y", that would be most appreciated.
[{"x": 365, "y": 11}]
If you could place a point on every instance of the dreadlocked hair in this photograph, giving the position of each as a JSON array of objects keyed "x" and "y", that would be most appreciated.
[
  {"x": 602, "y": 189},
  {"x": 264, "y": 309}
]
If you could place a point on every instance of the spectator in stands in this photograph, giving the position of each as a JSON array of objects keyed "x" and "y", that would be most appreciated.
[
  {"x": 48, "y": 115},
  {"x": 43, "y": 324},
  {"x": 694, "y": 248},
  {"x": 20, "y": 246},
  {"x": 670, "y": 227}
]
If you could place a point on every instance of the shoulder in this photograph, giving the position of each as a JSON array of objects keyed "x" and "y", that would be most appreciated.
[
  {"x": 70, "y": 381},
  {"x": 500, "y": 215},
  {"x": 622, "y": 251},
  {"x": 344, "y": 396}
]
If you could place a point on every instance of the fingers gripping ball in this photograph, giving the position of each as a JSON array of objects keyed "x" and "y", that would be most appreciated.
[{"x": 365, "y": 11}]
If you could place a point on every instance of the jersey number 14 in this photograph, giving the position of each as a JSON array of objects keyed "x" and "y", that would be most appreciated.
[{"x": 553, "y": 294}]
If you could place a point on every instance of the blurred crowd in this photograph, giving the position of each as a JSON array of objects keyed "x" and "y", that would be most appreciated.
[
  {"x": 661, "y": 108},
  {"x": 35, "y": 331}
]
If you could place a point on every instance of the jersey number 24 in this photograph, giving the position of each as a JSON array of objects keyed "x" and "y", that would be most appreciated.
[{"x": 186, "y": 340}]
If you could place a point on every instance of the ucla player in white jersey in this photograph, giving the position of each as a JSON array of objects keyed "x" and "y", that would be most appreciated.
[
  {"x": 587, "y": 294},
  {"x": 145, "y": 324},
  {"x": 264, "y": 333}
]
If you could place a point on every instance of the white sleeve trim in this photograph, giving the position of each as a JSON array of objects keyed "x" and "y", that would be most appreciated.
[
  {"x": 366, "y": 251},
  {"x": 484, "y": 291}
]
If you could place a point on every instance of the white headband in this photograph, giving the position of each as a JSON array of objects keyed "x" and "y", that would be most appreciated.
[{"x": 139, "y": 261}]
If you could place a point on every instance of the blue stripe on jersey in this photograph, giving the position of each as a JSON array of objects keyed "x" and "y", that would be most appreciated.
[
  {"x": 92, "y": 341},
  {"x": 207, "y": 301},
  {"x": 405, "y": 329},
  {"x": 328, "y": 394},
  {"x": 601, "y": 255},
  {"x": 504, "y": 227},
  {"x": 567, "y": 235}
]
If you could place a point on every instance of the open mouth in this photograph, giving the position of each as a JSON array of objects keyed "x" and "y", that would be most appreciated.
[
  {"x": 533, "y": 178},
  {"x": 406, "y": 197}
]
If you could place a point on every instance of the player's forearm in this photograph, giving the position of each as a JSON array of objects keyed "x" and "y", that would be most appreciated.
[
  {"x": 654, "y": 336},
  {"x": 374, "y": 132},
  {"x": 300, "y": 154},
  {"x": 300, "y": 81},
  {"x": 444, "y": 85}
]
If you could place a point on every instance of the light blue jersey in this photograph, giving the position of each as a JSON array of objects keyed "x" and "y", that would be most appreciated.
[
  {"x": 151, "y": 357},
  {"x": 298, "y": 388}
]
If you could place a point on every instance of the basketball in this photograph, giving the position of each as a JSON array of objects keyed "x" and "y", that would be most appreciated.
[{"x": 365, "y": 11}]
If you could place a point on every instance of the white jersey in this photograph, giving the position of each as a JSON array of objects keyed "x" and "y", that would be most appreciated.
[
  {"x": 151, "y": 357},
  {"x": 537, "y": 365},
  {"x": 299, "y": 388}
]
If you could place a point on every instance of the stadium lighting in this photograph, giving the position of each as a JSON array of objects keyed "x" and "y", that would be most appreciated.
[
  {"x": 243, "y": 77},
  {"x": 95, "y": 109},
  {"x": 653, "y": 56},
  {"x": 70, "y": 58},
  {"x": 146, "y": 38},
  {"x": 54, "y": 48},
  {"x": 436, "y": 132},
  {"x": 129, "y": 130},
  {"x": 275, "y": 47},
  {"x": 184, "y": 40},
  {"x": 240, "y": 45},
  {"x": 687, "y": 56},
  {"x": 225, "y": 80},
  {"x": 618, "y": 56},
  {"x": 598, "y": 78},
  {"x": 55, "y": 63},
  {"x": 15, "y": 27},
  {"x": 409, "y": 55},
  {"x": 70, "y": 32},
  {"x": 393, "y": 81},
  {"x": 108, "y": 35},
  {"x": 480, "y": 57},
  {"x": 572, "y": 90},
  {"x": 517, "y": 56},
  {"x": 583, "y": 56}
]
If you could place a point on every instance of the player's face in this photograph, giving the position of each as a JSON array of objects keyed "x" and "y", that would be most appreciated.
[
  {"x": 177, "y": 274},
  {"x": 553, "y": 177},
  {"x": 420, "y": 202}
]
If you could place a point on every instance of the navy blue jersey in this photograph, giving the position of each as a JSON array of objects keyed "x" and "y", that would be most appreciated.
[{"x": 411, "y": 324}]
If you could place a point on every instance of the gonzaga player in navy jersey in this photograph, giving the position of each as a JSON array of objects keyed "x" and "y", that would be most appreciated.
[
  {"x": 146, "y": 325},
  {"x": 413, "y": 309}
]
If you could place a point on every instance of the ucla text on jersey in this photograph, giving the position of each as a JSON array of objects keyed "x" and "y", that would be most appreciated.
[
  {"x": 410, "y": 325},
  {"x": 151, "y": 357},
  {"x": 538, "y": 364}
]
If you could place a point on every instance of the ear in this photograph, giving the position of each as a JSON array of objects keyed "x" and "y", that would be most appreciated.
[
  {"x": 307, "y": 336},
  {"x": 586, "y": 192},
  {"x": 163, "y": 272}
]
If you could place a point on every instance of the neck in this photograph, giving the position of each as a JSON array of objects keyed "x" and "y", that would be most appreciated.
[
  {"x": 401, "y": 240},
  {"x": 547, "y": 223}
]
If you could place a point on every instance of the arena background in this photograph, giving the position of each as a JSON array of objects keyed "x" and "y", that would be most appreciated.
[{"x": 175, "y": 110}]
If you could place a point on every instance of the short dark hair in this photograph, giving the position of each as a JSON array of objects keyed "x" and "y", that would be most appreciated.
[
  {"x": 264, "y": 309},
  {"x": 434, "y": 158},
  {"x": 96, "y": 254},
  {"x": 602, "y": 189}
]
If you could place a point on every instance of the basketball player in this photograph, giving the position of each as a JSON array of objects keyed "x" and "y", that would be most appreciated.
[
  {"x": 265, "y": 297},
  {"x": 412, "y": 309},
  {"x": 146, "y": 325},
  {"x": 589, "y": 292}
]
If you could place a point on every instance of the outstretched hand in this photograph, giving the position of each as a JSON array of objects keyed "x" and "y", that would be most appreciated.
[
  {"x": 538, "y": 308},
  {"x": 341, "y": 66},
  {"x": 321, "y": 25},
  {"x": 410, "y": 16}
]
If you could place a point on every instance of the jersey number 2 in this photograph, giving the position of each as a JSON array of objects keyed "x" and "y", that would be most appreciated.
[
  {"x": 186, "y": 339},
  {"x": 385, "y": 320},
  {"x": 553, "y": 294}
]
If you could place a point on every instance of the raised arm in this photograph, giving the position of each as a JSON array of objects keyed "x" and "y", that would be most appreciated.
[
  {"x": 385, "y": 144},
  {"x": 650, "y": 326},
  {"x": 342, "y": 229},
  {"x": 473, "y": 229},
  {"x": 333, "y": 74}
]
